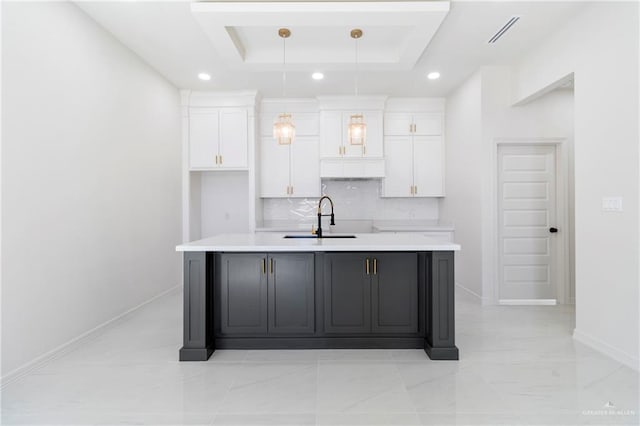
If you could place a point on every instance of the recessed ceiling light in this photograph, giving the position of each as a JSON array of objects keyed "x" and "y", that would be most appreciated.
[
  {"x": 317, "y": 76},
  {"x": 433, "y": 75},
  {"x": 204, "y": 76}
]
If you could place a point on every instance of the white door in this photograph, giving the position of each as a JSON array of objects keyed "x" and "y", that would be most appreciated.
[
  {"x": 203, "y": 138},
  {"x": 233, "y": 138},
  {"x": 428, "y": 173},
  {"x": 526, "y": 221}
]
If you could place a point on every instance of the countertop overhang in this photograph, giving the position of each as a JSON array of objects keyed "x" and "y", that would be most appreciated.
[{"x": 274, "y": 242}]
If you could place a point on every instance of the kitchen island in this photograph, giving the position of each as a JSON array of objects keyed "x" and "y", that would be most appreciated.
[{"x": 265, "y": 291}]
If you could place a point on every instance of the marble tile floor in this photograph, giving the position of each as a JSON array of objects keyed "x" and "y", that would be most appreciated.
[{"x": 519, "y": 365}]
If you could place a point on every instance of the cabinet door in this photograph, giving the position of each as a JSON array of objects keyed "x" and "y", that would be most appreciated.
[
  {"x": 398, "y": 166},
  {"x": 203, "y": 138},
  {"x": 428, "y": 169},
  {"x": 428, "y": 124},
  {"x": 233, "y": 138},
  {"x": 274, "y": 168},
  {"x": 291, "y": 293},
  {"x": 347, "y": 294},
  {"x": 331, "y": 134},
  {"x": 243, "y": 293},
  {"x": 305, "y": 167},
  {"x": 394, "y": 288},
  {"x": 398, "y": 124},
  {"x": 373, "y": 141}
]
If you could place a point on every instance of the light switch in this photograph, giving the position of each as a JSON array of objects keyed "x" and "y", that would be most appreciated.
[{"x": 611, "y": 204}]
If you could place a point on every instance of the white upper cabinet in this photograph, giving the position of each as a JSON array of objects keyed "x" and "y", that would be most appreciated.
[
  {"x": 218, "y": 138},
  {"x": 305, "y": 167},
  {"x": 428, "y": 171},
  {"x": 413, "y": 166},
  {"x": 399, "y": 166},
  {"x": 414, "y": 148},
  {"x": 203, "y": 138},
  {"x": 340, "y": 159},
  {"x": 275, "y": 173},
  {"x": 335, "y": 135},
  {"x": 427, "y": 124},
  {"x": 290, "y": 170}
]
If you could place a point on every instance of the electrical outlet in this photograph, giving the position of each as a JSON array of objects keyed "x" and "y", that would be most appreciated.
[{"x": 611, "y": 204}]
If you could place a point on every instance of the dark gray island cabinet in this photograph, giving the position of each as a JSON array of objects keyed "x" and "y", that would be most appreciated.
[{"x": 317, "y": 295}]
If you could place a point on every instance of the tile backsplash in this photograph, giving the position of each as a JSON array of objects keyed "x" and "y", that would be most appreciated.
[{"x": 354, "y": 200}]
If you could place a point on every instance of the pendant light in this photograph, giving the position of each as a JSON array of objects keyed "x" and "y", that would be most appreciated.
[
  {"x": 283, "y": 128},
  {"x": 357, "y": 129}
]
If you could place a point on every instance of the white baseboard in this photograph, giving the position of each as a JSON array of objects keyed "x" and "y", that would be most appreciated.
[
  {"x": 482, "y": 300},
  {"x": 605, "y": 348},
  {"x": 73, "y": 343},
  {"x": 527, "y": 302}
]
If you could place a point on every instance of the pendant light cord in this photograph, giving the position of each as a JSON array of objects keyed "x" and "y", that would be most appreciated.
[
  {"x": 357, "y": 67},
  {"x": 284, "y": 66}
]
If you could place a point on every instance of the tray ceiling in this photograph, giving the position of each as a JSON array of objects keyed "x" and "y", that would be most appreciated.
[{"x": 245, "y": 35}]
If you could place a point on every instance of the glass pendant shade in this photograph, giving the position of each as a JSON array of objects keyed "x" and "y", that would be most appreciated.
[
  {"x": 283, "y": 129},
  {"x": 357, "y": 130}
]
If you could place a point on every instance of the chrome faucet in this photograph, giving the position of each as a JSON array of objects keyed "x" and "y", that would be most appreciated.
[{"x": 318, "y": 231}]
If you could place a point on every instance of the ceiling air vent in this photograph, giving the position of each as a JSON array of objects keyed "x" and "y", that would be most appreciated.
[{"x": 504, "y": 29}]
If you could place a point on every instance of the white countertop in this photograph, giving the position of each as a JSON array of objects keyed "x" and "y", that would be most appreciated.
[{"x": 272, "y": 242}]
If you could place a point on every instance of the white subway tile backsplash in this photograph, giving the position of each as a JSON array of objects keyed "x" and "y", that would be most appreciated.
[{"x": 355, "y": 200}]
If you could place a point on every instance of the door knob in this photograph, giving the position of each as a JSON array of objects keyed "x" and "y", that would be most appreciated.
[{"x": 553, "y": 230}]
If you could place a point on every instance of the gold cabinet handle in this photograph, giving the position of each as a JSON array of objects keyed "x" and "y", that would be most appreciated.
[
  {"x": 271, "y": 264},
  {"x": 367, "y": 264},
  {"x": 415, "y": 190},
  {"x": 220, "y": 159},
  {"x": 375, "y": 266},
  {"x": 411, "y": 189},
  {"x": 291, "y": 189},
  {"x": 364, "y": 150},
  {"x": 216, "y": 158},
  {"x": 264, "y": 265}
]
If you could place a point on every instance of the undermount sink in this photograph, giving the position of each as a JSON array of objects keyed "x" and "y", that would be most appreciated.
[{"x": 315, "y": 236}]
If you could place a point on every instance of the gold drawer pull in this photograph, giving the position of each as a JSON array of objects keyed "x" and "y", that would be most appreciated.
[
  {"x": 375, "y": 266},
  {"x": 367, "y": 265}
]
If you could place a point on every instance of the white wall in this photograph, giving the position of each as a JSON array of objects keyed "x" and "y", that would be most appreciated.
[
  {"x": 600, "y": 46},
  {"x": 478, "y": 113},
  {"x": 549, "y": 116},
  {"x": 463, "y": 202},
  {"x": 224, "y": 205},
  {"x": 90, "y": 179}
]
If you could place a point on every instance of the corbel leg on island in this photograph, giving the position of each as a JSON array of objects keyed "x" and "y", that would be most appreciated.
[
  {"x": 198, "y": 307},
  {"x": 440, "y": 339}
]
